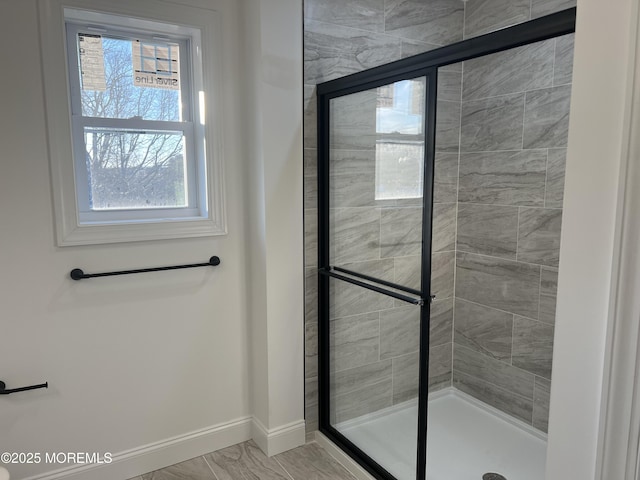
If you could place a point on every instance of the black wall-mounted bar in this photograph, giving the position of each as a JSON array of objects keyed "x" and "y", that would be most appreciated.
[
  {"x": 7, "y": 391},
  {"x": 78, "y": 274},
  {"x": 377, "y": 280}
]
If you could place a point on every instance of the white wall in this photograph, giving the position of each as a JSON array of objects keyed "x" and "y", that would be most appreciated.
[
  {"x": 139, "y": 359},
  {"x": 587, "y": 255}
]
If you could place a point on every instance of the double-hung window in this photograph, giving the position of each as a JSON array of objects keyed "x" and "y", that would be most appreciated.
[{"x": 138, "y": 132}]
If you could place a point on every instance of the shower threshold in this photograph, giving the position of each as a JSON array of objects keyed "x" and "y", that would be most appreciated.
[{"x": 466, "y": 439}]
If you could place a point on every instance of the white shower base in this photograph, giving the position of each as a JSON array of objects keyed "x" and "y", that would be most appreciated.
[{"x": 466, "y": 439}]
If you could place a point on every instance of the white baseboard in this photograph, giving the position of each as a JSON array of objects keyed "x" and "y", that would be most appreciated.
[
  {"x": 280, "y": 439},
  {"x": 154, "y": 456},
  {"x": 342, "y": 458}
]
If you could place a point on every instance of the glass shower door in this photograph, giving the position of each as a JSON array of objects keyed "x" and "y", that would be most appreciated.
[{"x": 374, "y": 276}]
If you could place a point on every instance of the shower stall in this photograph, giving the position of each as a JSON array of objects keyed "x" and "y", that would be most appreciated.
[{"x": 440, "y": 181}]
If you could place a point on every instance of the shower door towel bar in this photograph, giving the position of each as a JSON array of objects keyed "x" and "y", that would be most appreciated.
[
  {"x": 78, "y": 274},
  {"x": 375, "y": 288},
  {"x": 6, "y": 391}
]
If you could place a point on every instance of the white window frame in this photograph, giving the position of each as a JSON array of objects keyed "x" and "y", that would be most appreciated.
[{"x": 75, "y": 223}]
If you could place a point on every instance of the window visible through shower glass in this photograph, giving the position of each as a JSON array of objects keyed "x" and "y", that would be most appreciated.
[{"x": 376, "y": 167}]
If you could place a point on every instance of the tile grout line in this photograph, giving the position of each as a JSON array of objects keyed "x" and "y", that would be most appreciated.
[
  {"x": 275, "y": 457},
  {"x": 209, "y": 465},
  {"x": 512, "y": 94}
]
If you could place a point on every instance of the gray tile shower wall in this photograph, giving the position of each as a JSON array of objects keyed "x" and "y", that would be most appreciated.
[{"x": 343, "y": 37}]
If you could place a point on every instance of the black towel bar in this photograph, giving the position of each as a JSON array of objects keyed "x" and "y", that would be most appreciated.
[
  {"x": 78, "y": 274},
  {"x": 6, "y": 391}
]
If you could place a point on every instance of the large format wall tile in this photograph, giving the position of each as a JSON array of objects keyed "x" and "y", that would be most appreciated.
[
  {"x": 444, "y": 227},
  {"x": 310, "y": 124},
  {"x": 442, "y": 274},
  {"x": 311, "y": 237},
  {"x": 502, "y": 284},
  {"x": 504, "y": 178},
  {"x": 355, "y": 340},
  {"x": 407, "y": 271},
  {"x": 353, "y": 121},
  {"x": 539, "y": 236},
  {"x": 310, "y": 160},
  {"x": 488, "y": 230},
  {"x": 532, "y": 346},
  {"x": 546, "y": 120},
  {"x": 554, "y": 194},
  {"x": 548, "y": 295},
  {"x": 446, "y": 178},
  {"x": 400, "y": 232},
  {"x": 517, "y": 70},
  {"x": 361, "y": 390},
  {"x": 484, "y": 330},
  {"x": 493, "y": 371},
  {"x": 410, "y": 48},
  {"x": 441, "y": 325},
  {"x": 310, "y": 350},
  {"x": 351, "y": 162},
  {"x": 541, "y": 396},
  {"x": 449, "y": 85},
  {"x": 484, "y": 16},
  {"x": 539, "y": 8},
  {"x": 437, "y": 21},
  {"x": 310, "y": 295},
  {"x": 563, "y": 69},
  {"x": 447, "y": 126},
  {"x": 440, "y": 367},
  {"x": 406, "y": 377},
  {"x": 311, "y": 192},
  {"x": 492, "y": 124},
  {"x": 356, "y": 234},
  {"x": 500, "y": 398},
  {"x": 348, "y": 299},
  {"x": 352, "y": 189},
  {"x": 332, "y": 51},
  {"x": 399, "y": 331},
  {"x": 363, "y": 14}
]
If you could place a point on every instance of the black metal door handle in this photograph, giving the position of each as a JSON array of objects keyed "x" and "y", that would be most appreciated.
[{"x": 6, "y": 391}]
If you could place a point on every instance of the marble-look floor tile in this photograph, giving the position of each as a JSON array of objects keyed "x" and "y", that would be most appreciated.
[
  {"x": 492, "y": 124},
  {"x": 399, "y": 331},
  {"x": 484, "y": 16},
  {"x": 502, "y": 284},
  {"x": 504, "y": 178},
  {"x": 484, "y": 330},
  {"x": 355, "y": 235},
  {"x": 400, "y": 232},
  {"x": 440, "y": 367},
  {"x": 449, "y": 86},
  {"x": 540, "y": 8},
  {"x": 244, "y": 461},
  {"x": 488, "y": 230},
  {"x": 441, "y": 326},
  {"x": 493, "y": 371},
  {"x": 355, "y": 340},
  {"x": 533, "y": 346},
  {"x": 332, "y": 51},
  {"x": 444, "y": 227},
  {"x": 500, "y": 398},
  {"x": 194, "y": 469},
  {"x": 446, "y": 178},
  {"x": 442, "y": 274},
  {"x": 311, "y": 462},
  {"x": 563, "y": 70},
  {"x": 546, "y": 119},
  {"x": 310, "y": 121},
  {"x": 405, "y": 377},
  {"x": 513, "y": 71},
  {"x": 353, "y": 121},
  {"x": 362, "y": 14},
  {"x": 541, "y": 394},
  {"x": 437, "y": 21},
  {"x": 448, "y": 126},
  {"x": 539, "y": 236},
  {"x": 554, "y": 194},
  {"x": 548, "y": 295}
]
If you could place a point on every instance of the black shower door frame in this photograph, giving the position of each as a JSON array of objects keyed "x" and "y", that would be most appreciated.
[{"x": 422, "y": 65}]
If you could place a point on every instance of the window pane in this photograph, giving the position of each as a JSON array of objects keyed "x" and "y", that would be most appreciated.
[
  {"x": 111, "y": 86},
  {"x": 128, "y": 169}
]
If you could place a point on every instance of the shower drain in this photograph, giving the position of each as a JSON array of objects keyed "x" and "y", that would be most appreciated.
[{"x": 493, "y": 476}]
